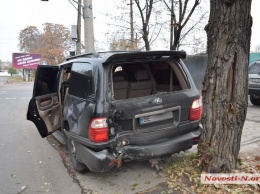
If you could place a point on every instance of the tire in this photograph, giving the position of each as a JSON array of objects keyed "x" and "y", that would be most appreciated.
[
  {"x": 254, "y": 100},
  {"x": 79, "y": 167}
]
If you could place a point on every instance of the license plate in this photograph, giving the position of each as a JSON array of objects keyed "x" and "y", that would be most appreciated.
[
  {"x": 255, "y": 80},
  {"x": 155, "y": 118}
]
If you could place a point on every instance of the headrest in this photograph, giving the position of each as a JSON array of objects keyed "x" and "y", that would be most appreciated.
[
  {"x": 141, "y": 75},
  {"x": 118, "y": 76}
]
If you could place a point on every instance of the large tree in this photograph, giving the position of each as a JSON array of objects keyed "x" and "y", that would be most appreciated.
[
  {"x": 29, "y": 39},
  {"x": 52, "y": 43},
  {"x": 55, "y": 41},
  {"x": 167, "y": 23},
  {"x": 225, "y": 85}
]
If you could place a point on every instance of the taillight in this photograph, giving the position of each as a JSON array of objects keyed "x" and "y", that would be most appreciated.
[
  {"x": 98, "y": 130},
  {"x": 196, "y": 138},
  {"x": 196, "y": 110}
]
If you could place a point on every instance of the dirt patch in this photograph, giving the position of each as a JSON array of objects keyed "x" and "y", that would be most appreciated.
[{"x": 66, "y": 161}]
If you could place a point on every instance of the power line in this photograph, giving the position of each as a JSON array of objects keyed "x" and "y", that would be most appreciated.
[{"x": 75, "y": 6}]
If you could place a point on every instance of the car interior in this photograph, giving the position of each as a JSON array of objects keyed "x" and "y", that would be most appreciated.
[
  {"x": 64, "y": 84},
  {"x": 143, "y": 79}
]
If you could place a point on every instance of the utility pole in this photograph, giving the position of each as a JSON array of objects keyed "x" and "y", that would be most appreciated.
[
  {"x": 88, "y": 26},
  {"x": 132, "y": 41},
  {"x": 132, "y": 24},
  {"x": 78, "y": 51}
]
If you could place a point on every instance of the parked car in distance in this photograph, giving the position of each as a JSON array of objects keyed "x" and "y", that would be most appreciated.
[
  {"x": 118, "y": 106},
  {"x": 254, "y": 82}
]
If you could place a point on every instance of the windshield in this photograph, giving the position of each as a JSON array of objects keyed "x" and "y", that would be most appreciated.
[{"x": 254, "y": 68}]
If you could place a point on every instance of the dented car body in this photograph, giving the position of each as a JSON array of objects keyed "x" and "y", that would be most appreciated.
[{"x": 120, "y": 106}]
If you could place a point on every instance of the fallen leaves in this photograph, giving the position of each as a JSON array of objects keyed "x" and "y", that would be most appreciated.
[
  {"x": 183, "y": 175},
  {"x": 133, "y": 187}
]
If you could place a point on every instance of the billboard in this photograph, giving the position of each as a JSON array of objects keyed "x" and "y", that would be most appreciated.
[{"x": 26, "y": 60}]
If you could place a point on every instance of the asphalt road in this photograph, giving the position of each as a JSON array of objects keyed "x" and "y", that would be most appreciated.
[{"x": 28, "y": 163}]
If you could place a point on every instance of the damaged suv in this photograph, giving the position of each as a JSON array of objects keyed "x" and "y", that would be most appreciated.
[{"x": 112, "y": 107}]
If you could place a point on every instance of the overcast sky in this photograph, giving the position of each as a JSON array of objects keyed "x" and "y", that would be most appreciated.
[{"x": 16, "y": 15}]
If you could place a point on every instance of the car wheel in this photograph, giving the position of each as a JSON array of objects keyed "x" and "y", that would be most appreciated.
[
  {"x": 255, "y": 100},
  {"x": 79, "y": 167}
]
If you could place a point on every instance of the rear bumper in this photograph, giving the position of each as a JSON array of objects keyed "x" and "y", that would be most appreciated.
[
  {"x": 101, "y": 161},
  {"x": 171, "y": 146}
]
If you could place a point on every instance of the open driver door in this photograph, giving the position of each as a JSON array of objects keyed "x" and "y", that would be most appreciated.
[{"x": 44, "y": 108}]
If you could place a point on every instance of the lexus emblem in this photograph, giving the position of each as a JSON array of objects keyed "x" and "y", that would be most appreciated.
[{"x": 158, "y": 100}]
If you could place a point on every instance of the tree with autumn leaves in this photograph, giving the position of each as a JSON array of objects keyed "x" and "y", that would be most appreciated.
[{"x": 53, "y": 43}]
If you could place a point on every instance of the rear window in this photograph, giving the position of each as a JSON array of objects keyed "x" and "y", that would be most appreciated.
[
  {"x": 134, "y": 80},
  {"x": 162, "y": 74},
  {"x": 254, "y": 68}
]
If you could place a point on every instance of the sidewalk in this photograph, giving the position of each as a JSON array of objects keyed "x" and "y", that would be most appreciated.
[{"x": 250, "y": 142}]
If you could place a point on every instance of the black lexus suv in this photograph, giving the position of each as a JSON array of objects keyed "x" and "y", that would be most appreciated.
[{"x": 118, "y": 106}]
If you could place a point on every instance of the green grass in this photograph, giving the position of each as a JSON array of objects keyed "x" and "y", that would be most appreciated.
[{"x": 14, "y": 79}]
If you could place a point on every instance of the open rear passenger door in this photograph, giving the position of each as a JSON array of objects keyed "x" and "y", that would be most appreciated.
[{"x": 44, "y": 109}]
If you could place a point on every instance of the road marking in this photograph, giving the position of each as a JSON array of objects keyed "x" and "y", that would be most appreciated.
[
  {"x": 23, "y": 98},
  {"x": 27, "y": 92},
  {"x": 2, "y": 93}
]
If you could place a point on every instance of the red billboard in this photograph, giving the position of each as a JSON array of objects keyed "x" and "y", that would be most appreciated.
[{"x": 26, "y": 60}]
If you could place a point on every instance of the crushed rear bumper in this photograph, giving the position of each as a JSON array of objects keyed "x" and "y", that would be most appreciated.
[
  {"x": 177, "y": 144},
  {"x": 104, "y": 160}
]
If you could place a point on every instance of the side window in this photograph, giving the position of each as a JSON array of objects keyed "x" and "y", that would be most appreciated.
[
  {"x": 81, "y": 80},
  {"x": 45, "y": 82}
]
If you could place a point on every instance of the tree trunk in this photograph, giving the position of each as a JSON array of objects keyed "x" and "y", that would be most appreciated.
[
  {"x": 225, "y": 85},
  {"x": 145, "y": 38},
  {"x": 177, "y": 34}
]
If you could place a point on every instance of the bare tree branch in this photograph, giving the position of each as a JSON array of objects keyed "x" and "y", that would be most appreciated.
[{"x": 196, "y": 3}]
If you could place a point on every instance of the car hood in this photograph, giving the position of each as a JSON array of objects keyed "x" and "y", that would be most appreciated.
[{"x": 253, "y": 76}]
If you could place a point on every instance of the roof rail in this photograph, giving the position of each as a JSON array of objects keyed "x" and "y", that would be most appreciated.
[
  {"x": 88, "y": 55},
  {"x": 97, "y": 54}
]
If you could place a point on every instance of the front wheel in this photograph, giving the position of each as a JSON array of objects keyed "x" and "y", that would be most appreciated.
[
  {"x": 79, "y": 167},
  {"x": 255, "y": 100}
]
